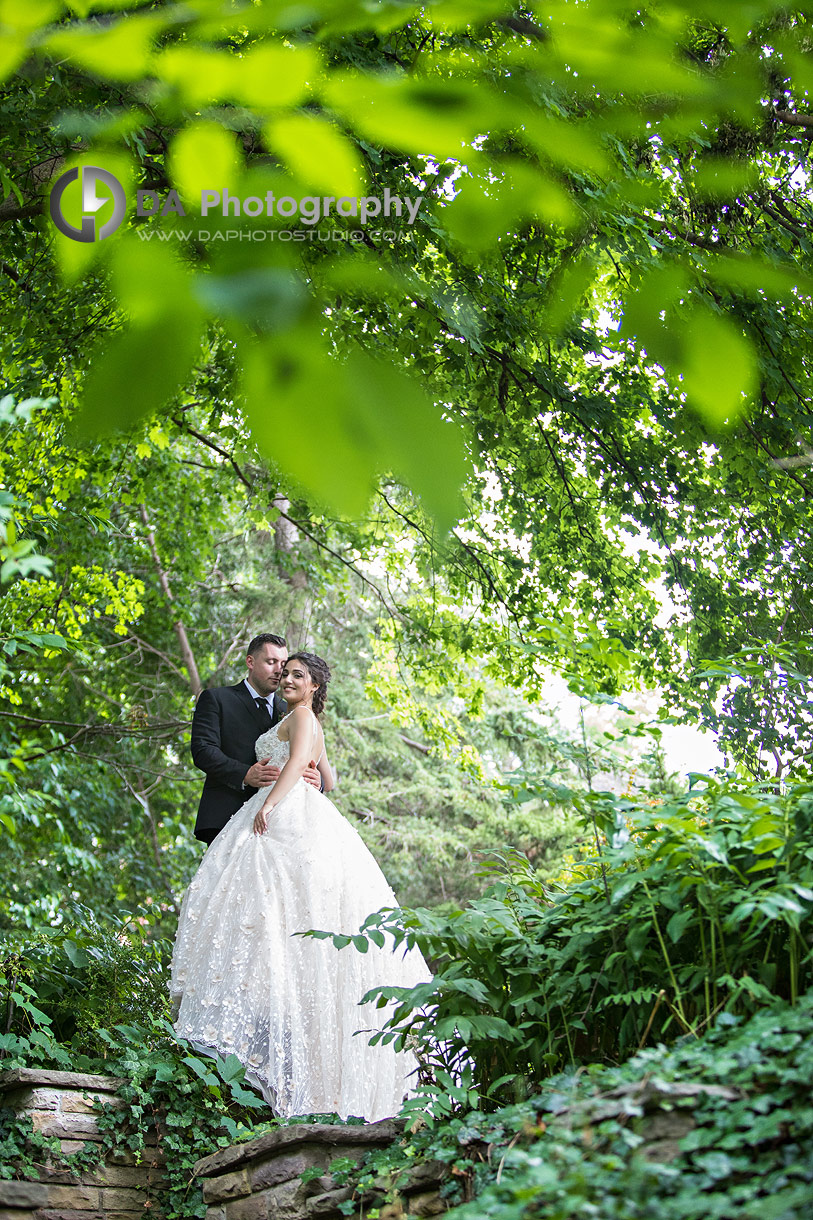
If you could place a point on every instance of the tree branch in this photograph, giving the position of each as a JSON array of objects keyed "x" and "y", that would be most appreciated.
[
  {"x": 526, "y": 27},
  {"x": 238, "y": 637},
  {"x": 794, "y": 120},
  {"x": 180, "y": 630},
  {"x": 137, "y": 640},
  {"x": 161, "y": 730},
  {"x": 210, "y": 444},
  {"x": 799, "y": 234}
]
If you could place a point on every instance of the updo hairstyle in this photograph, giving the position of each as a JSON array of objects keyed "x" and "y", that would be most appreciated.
[{"x": 319, "y": 671}]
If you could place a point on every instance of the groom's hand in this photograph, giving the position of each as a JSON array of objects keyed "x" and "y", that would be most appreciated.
[
  {"x": 260, "y": 775},
  {"x": 311, "y": 775}
]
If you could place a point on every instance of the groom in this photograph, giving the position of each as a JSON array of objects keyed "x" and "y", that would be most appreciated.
[{"x": 227, "y": 722}]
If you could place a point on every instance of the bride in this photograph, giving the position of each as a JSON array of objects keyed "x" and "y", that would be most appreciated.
[{"x": 245, "y": 984}]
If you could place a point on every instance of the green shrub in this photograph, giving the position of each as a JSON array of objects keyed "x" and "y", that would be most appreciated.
[
  {"x": 190, "y": 1105},
  {"x": 695, "y": 906},
  {"x": 750, "y": 1157},
  {"x": 84, "y": 976}
]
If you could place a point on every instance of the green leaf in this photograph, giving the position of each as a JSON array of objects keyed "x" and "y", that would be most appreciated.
[
  {"x": 724, "y": 177},
  {"x": 678, "y": 923},
  {"x": 13, "y": 50},
  {"x": 138, "y": 372},
  {"x": 121, "y": 50},
  {"x": 199, "y": 75},
  {"x": 293, "y": 71},
  {"x": 657, "y": 294},
  {"x": 269, "y": 297},
  {"x": 567, "y": 288},
  {"x": 318, "y": 153},
  {"x": 203, "y": 157},
  {"x": 719, "y": 367},
  {"x": 565, "y": 142},
  {"x": 200, "y": 1069},
  {"x": 230, "y": 1068},
  {"x": 75, "y": 954},
  {"x": 367, "y": 416},
  {"x": 487, "y": 205},
  {"x": 424, "y": 117}
]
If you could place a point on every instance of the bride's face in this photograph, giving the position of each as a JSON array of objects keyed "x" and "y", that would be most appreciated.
[{"x": 296, "y": 684}]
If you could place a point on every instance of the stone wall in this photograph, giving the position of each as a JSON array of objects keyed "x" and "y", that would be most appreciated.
[
  {"x": 61, "y": 1105},
  {"x": 262, "y": 1179}
]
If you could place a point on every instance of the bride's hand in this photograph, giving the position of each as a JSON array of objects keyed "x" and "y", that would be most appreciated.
[
  {"x": 311, "y": 775},
  {"x": 261, "y": 821}
]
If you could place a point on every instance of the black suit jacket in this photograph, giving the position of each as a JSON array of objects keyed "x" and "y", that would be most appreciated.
[{"x": 225, "y": 726}]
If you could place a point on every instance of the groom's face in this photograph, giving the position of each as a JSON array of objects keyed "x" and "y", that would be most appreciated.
[{"x": 265, "y": 667}]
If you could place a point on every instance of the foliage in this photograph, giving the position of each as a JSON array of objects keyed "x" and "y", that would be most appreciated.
[
  {"x": 589, "y": 240},
  {"x": 494, "y": 123},
  {"x": 695, "y": 906},
  {"x": 578, "y": 1147},
  {"x": 86, "y": 977}
]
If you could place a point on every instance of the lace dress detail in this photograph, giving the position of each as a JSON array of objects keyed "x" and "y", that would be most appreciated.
[{"x": 288, "y": 1006}]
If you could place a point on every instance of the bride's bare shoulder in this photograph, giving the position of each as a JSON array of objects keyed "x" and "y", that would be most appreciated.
[{"x": 299, "y": 716}]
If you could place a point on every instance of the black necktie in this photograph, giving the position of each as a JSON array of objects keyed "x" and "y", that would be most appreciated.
[{"x": 262, "y": 704}]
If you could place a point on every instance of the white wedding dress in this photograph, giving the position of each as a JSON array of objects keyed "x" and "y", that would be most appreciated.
[{"x": 288, "y": 1006}]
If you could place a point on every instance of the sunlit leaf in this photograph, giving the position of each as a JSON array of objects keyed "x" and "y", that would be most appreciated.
[
  {"x": 26, "y": 16},
  {"x": 434, "y": 117},
  {"x": 487, "y": 205},
  {"x": 203, "y": 157},
  {"x": 199, "y": 75},
  {"x": 137, "y": 372},
  {"x": 149, "y": 280},
  {"x": 645, "y": 311},
  {"x": 273, "y": 75},
  {"x": 569, "y": 287},
  {"x": 368, "y": 416},
  {"x": 566, "y": 143},
  {"x": 724, "y": 177},
  {"x": 748, "y": 274},
  {"x": 12, "y": 53},
  {"x": 719, "y": 367},
  {"x": 120, "y": 51},
  {"x": 318, "y": 153}
]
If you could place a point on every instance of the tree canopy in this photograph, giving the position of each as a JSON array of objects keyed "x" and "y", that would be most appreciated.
[{"x": 551, "y": 415}]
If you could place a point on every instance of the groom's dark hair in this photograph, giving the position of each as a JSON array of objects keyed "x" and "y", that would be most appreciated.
[{"x": 279, "y": 641}]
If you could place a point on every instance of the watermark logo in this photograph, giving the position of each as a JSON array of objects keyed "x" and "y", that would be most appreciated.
[
  {"x": 91, "y": 177},
  {"x": 99, "y": 187}
]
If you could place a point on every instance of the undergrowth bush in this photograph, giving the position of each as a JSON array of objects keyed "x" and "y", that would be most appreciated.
[
  {"x": 93, "y": 998},
  {"x": 691, "y": 907},
  {"x": 84, "y": 976}
]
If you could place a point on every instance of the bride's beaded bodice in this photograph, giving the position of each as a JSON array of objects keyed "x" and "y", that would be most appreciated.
[{"x": 271, "y": 747}]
